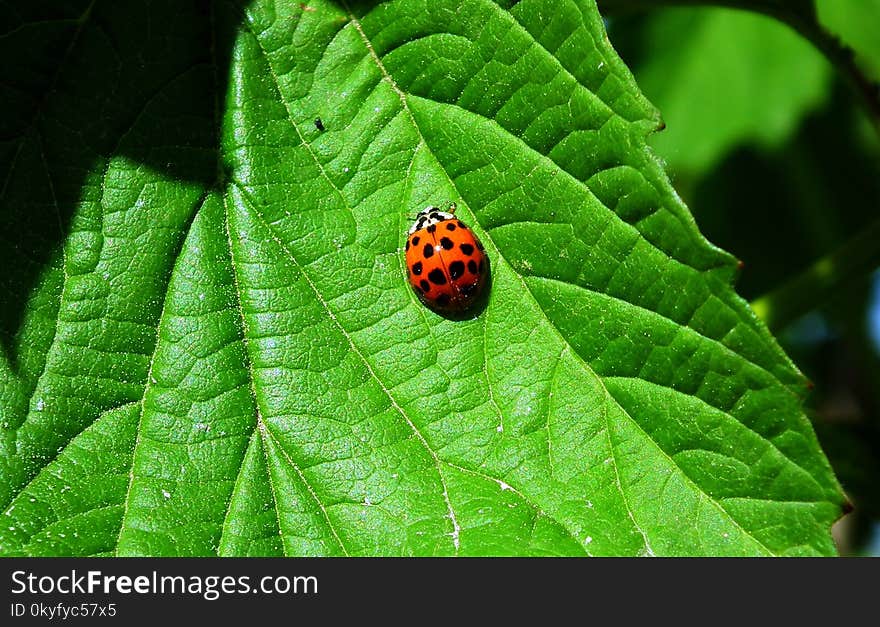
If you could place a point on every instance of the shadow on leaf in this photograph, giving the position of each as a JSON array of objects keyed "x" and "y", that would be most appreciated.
[{"x": 86, "y": 83}]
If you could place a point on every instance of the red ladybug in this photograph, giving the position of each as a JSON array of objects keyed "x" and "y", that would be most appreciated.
[{"x": 445, "y": 262}]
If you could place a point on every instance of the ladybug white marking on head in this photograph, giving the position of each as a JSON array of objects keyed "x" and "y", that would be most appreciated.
[{"x": 428, "y": 216}]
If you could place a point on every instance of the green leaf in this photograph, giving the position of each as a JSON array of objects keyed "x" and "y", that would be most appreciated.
[
  {"x": 855, "y": 21},
  {"x": 723, "y": 79},
  {"x": 210, "y": 346}
]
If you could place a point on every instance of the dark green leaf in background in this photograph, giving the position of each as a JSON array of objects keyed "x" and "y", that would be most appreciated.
[
  {"x": 725, "y": 78},
  {"x": 210, "y": 346},
  {"x": 855, "y": 23}
]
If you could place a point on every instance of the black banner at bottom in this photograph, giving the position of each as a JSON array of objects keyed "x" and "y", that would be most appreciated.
[{"x": 61, "y": 590}]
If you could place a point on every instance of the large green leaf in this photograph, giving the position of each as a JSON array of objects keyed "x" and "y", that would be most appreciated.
[{"x": 210, "y": 346}]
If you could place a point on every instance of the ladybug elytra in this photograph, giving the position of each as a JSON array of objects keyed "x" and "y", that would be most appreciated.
[{"x": 445, "y": 262}]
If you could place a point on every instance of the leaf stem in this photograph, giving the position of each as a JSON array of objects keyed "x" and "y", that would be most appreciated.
[
  {"x": 813, "y": 286},
  {"x": 799, "y": 15}
]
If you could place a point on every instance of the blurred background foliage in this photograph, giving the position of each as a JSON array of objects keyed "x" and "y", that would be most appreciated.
[{"x": 779, "y": 160}]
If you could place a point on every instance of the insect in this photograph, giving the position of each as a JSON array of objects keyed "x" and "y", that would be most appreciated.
[
  {"x": 445, "y": 262},
  {"x": 319, "y": 125}
]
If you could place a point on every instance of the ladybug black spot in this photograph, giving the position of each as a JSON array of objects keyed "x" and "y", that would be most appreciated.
[
  {"x": 446, "y": 243},
  {"x": 472, "y": 266},
  {"x": 428, "y": 251},
  {"x": 467, "y": 249},
  {"x": 437, "y": 277},
  {"x": 407, "y": 245},
  {"x": 456, "y": 269},
  {"x": 467, "y": 290},
  {"x": 450, "y": 226},
  {"x": 417, "y": 268},
  {"x": 415, "y": 241},
  {"x": 431, "y": 228},
  {"x": 425, "y": 286}
]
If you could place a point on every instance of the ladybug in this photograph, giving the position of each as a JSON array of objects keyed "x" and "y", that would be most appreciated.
[{"x": 446, "y": 264}]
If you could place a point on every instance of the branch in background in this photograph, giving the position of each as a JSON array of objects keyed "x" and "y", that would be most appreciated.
[
  {"x": 799, "y": 15},
  {"x": 821, "y": 280}
]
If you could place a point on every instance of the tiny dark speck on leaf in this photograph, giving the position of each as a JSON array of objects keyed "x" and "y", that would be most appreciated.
[{"x": 319, "y": 124}]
